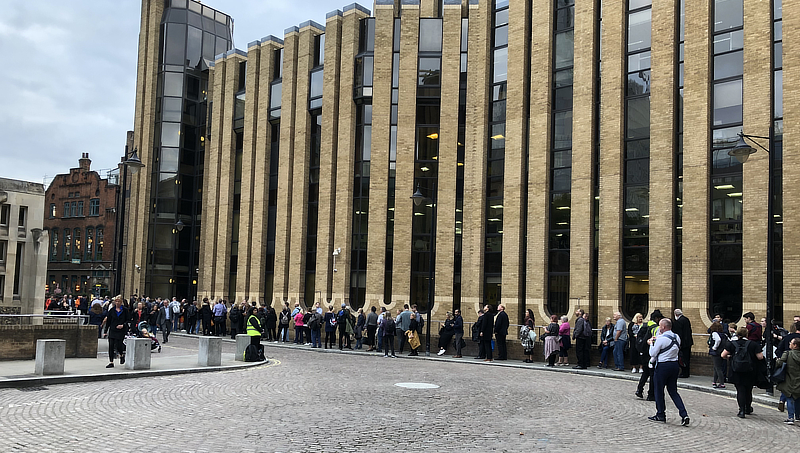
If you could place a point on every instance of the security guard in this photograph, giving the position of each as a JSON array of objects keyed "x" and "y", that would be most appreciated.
[{"x": 254, "y": 327}]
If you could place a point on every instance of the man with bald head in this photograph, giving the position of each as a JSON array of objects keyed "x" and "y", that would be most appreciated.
[{"x": 664, "y": 350}]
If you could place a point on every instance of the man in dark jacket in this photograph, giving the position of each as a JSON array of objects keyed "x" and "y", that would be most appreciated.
[
  {"x": 501, "y": 331},
  {"x": 582, "y": 335},
  {"x": 164, "y": 321},
  {"x": 117, "y": 321},
  {"x": 458, "y": 328},
  {"x": 683, "y": 328},
  {"x": 486, "y": 330}
]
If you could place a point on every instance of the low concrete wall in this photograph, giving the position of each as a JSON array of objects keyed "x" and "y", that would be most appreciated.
[{"x": 19, "y": 342}]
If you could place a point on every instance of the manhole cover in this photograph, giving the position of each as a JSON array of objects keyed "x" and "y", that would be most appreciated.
[
  {"x": 416, "y": 385},
  {"x": 32, "y": 389}
]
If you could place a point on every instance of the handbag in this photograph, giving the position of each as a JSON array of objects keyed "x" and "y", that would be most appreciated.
[{"x": 779, "y": 375}]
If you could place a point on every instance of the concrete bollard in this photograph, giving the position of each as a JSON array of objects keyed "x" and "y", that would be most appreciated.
[
  {"x": 209, "y": 352},
  {"x": 242, "y": 342},
  {"x": 50, "y": 357},
  {"x": 137, "y": 354}
]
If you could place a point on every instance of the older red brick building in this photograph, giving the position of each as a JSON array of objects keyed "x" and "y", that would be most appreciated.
[{"x": 80, "y": 214}]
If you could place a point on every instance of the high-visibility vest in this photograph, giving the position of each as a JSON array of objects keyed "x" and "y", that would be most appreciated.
[{"x": 252, "y": 330}]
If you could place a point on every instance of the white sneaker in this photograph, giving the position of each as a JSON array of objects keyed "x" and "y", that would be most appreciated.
[{"x": 441, "y": 352}]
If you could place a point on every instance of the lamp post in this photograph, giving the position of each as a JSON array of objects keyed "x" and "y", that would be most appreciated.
[
  {"x": 134, "y": 163},
  {"x": 742, "y": 152},
  {"x": 418, "y": 198}
]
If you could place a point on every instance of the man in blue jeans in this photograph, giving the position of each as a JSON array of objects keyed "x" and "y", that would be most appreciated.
[
  {"x": 664, "y": 349},
  {"x": 620, "y": 341}
]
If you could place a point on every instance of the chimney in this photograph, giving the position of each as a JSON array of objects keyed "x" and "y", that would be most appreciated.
[{"x": 84, "y": 162}]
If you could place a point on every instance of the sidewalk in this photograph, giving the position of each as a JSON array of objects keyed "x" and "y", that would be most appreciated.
[
  {"x": 698, "y": 383},
  {"x": 180, "y": 359}
]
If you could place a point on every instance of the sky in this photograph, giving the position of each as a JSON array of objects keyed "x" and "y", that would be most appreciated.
[{"x": 69, "y": 75}]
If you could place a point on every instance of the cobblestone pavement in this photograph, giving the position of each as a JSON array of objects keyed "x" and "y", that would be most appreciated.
[{"x": 307, "y": 401}]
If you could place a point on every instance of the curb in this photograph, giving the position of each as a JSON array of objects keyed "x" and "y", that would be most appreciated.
[
  {"x": 70, "y": 379},
  {"x": 767, "y": 400}
]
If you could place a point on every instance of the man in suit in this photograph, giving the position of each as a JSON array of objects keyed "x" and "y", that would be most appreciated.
[
  {"x": 500, "y": 332},
  {"x": 163, "y": 320},
  {"x": 683, "y": 328},
  {"x": 486, "y": 332}
]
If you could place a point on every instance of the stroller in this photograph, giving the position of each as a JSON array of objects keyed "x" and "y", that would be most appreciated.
[{"x": 143, "y": 330}]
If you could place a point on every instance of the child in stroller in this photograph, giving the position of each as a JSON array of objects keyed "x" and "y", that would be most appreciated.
[{"x": 143, "y": 330}]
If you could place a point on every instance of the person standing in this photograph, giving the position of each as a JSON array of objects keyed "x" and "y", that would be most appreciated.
[
  {"x": 388, "y": 329},
  {"x": 206, "y": 315},
  {"x": 361, "y": 326},
  {"x": 330, "y": 328},
  {"x": 683, "y": 328},
  {"x": 379, "y": 333},
  {"x": 582, "y": 335},
  {"x": 486, "y": 331},
  {"x": 254, "y": 327},
  {"x": 413, "y": 335},
  {"x": 528, "y": 335},
  {"x": 372, "y": 327},
  {"x": 191, "y": 318},
  {"x": 446, "y": 333},
  {"x": 754, "y": 329},
  {"x": 501, "y": 331},
  {"x": 342, "y": 319},
  {"x": 715, "y": 351},
  {"x": 315, "y": 326},
  {"x": 271, "y": 321},
  {"x": 402, "y": 322},
  {"x": 664, "y": 350},
  {"x": 458, "y": 332},
  {"x": 476, "y": 334},
  {"x": 175, "y": 309},
  {"x": 551, "y": 341},
  {"x": 564, "y": 345},
  {"x": 745, "y": 355},
  {"x": 620, "y": 341},
  {"x": 283, "y": 324},
  {"x": 647, "y": 331},
  {"x": 633, "y": 330},
  {"x": 790, "y": 387},
  {"x": 117, "y": 320},
  {"x": 298, "y": 326}
]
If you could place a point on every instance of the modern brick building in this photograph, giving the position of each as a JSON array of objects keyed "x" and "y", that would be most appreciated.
[
  {"x": 577, "y": 153},
  {"x": 80, "y": 215}
]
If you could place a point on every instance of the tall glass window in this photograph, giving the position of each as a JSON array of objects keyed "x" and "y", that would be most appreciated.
[
  {"x": 53, "y": 244},
  {"x": 678, "y": 257},
  {"x": 387, "y": 289},
  {"x": 89, "y": 244},
  {"x": 777, "y": 149},
  {"x": 495, "y": 163},
  {"x": 460, "y": 157},
  {"x": 561, "y": 159},
  {"x": 77, "y": 244},
  {"x": 98, "y": 245},
  {"x": 275, "y": 89},
  {"x": 726, "y": 176},
  {"x": 363, "y": 149},
  {"x": 191, "y": 35},
  {"x": 67, "y": 244},
  {"x": 315, "y": 137},
  {"x": 636, "y": 183}
]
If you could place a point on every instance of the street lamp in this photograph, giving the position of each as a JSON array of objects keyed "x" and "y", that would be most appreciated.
[
  {"x": 133, "y": 163},
  {"x": 418, "y": 199},
  {"x": 742, "y": 152},
  {"x": 179, "y": 225}
]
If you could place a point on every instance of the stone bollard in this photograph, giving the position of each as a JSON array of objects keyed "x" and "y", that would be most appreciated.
[
  {"x": 50, "y": 357},
  {"x": 209, "y": 352},
  {"x": 242, "y": 342},
  {"x": 137, "y": 354}
]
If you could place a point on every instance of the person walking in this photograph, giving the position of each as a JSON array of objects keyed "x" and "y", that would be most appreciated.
[
  {"x": 790, "y": 387},
  {"x": 745, "y": 355},
  {"x": 501, "y": 324},
  {"x": 458, "y": 332},
  {"x": 664, "y": 350},
  {"x": 164, "y": 321},
  {"x": 647, "y": 331},
  {"x": 117, "y": 320},
  {"x": 717, "y": 342}
]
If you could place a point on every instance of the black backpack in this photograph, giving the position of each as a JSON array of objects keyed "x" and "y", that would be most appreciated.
[
  {"x": 420, "y": 323},
  {"x": 390, "y": 326},
  {"x": 742, "y": 362},
  {"x": 254, "y": 353}
]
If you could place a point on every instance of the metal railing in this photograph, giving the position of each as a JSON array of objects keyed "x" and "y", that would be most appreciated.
[{"x": 48, "y": 318}]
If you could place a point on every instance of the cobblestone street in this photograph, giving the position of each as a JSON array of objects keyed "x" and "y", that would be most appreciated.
[{"x": 311, "y": 401}]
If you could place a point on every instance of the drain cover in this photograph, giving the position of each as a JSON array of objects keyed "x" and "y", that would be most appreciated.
[
  {"x": 32, "y": 389},
  {"x": 416, "y": 385}
]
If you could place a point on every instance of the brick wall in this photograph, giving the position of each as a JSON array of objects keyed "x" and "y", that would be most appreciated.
[{"x": 19, "y": 342}]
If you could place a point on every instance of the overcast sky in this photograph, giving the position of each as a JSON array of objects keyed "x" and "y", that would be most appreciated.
[{"x": 69, "y": 78}]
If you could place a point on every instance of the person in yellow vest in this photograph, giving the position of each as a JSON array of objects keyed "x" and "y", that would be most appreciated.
[{"x": 253, "y": 327}]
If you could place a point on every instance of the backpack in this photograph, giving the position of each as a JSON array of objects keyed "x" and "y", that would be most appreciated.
[
  {"x": 253, "y": 353},
  {"x": 235, "y": 314},
  {"x": 284, "y": 318},
  {"x": 176, "y": 308},
  {"x": 710, "y": 340},
  {"x": 313, "y": 323},
  {"x": 341, "y": 318},
  {"x": 191, "y": 311},
  {"x": 742, "y": 362},
  {"x": 390, "y": 325},
  {"x": 420, "y": 323}
]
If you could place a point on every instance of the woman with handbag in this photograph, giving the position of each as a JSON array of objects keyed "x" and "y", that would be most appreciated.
[
  {"x": 551, "y": 344},
  {"x": 715, "y": 349},
  {"x": 413, "y": 337},
  {"x": 790, "y": 386}
]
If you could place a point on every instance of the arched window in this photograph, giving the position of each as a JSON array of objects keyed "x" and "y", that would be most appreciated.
[
  {"x": 76, "y": 240},
  {"x": 54, "y": 245},
  {"x": 89, "y": 243},
  {"x": 98, "y": 244}
]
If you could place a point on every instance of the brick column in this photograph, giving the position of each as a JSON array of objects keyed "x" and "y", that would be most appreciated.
[{"x": 791, "y": 163}]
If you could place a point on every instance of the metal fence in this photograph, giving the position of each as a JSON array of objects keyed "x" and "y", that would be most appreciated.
[{"x": 48, "y": 318}]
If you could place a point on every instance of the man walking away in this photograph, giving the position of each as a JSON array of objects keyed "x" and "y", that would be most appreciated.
[
  {"x": 664, "y": 350},
  {"x": 501, "y": 331}
]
